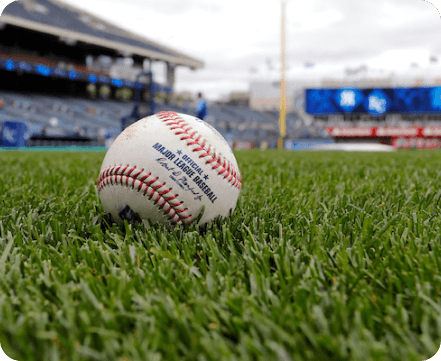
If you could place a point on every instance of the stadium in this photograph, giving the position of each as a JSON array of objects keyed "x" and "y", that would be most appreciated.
[
  {"x": 77, "y": 91},
  {"x": 333, "y": 249}
]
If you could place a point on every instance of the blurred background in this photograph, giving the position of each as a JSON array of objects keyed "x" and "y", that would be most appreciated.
[{"x": 294, "y": 74}]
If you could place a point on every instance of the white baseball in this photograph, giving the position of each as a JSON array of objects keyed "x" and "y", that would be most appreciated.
[{"x": 165, "y": 168}]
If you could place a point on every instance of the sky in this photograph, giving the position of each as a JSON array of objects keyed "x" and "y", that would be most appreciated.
[{"x": 239, "y": 40}]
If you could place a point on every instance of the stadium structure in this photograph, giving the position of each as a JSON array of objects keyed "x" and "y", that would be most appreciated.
[
  {"x": 400, "y": 109},
  {"x": 69, "y": 78}
]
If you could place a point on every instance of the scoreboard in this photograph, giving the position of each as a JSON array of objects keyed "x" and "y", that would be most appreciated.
[{"x": 373, "y": 101}]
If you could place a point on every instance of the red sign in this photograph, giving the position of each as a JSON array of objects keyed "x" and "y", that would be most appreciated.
[
  {"x": 389, "y": 132},
  {"x": 350, "y": 132},
  {"x": 384, "y": 132},
  {"x": 431, "y": 132}
]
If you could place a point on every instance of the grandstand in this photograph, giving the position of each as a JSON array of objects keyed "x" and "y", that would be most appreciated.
[
  {"x": 76, "y": 118},
  {"x": 71, "y": 77},
  {"x": 47, "y": 115}
]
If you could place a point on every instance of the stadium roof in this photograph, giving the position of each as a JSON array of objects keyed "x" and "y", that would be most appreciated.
[{"x": 57, "y": 18}]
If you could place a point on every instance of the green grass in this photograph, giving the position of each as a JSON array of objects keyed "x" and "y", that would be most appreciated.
[{"x": 328, "y": 256}]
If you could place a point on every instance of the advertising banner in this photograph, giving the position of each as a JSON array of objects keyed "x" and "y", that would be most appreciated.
[
  {"x": 373, "y": 101},
  {"x": 13, "y": 134}
]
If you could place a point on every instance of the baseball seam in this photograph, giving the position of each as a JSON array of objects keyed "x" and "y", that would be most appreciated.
[
  {"x": 223, "y": 167},
  {"x": 149, "y": 186}
]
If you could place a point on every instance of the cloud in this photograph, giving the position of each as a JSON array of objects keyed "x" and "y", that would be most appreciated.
[
  {"x": 165, "y": 7},
  {"x": 333, "y": 34},
  {"x": 401, "y": 58},
  {"x": 179, "y": 7},
  {"x": 231, "y": 36}
]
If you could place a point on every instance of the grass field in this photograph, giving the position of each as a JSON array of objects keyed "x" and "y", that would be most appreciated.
[{"x": 328, "y": 256}]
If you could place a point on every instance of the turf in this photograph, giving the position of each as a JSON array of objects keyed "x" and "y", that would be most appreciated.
[{"x": 328, "y": 256}]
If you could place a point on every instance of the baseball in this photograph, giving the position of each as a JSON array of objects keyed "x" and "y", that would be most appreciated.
[{"x": 170, "y": 168}]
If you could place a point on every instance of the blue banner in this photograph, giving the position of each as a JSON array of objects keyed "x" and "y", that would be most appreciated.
[
  {"x": 373, "y": 101},
  {"x": 13, "y": 134},
  {"x": 305, "y": 144}
]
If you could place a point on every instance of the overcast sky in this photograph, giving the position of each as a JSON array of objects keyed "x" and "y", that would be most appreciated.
[{"x": 239, "y": 40}]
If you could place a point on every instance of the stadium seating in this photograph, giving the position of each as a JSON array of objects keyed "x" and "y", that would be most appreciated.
[
  {"x": 71, "y": 115},
  {"x": 67, "y": 116}
]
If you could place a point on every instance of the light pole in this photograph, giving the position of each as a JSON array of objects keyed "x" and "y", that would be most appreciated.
[{"x": 282, "y": 81}]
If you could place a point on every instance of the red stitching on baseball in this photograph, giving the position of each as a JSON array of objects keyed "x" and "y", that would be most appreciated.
[
  {"x": 110, "y": 175},
  {"x": 145, "y": 177},
  {"x": 151, "y": 182},
  {"x": 130, "y": 171},
  {"x": 173, "y": 120},
  {"x": 158, "y": 186}
]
